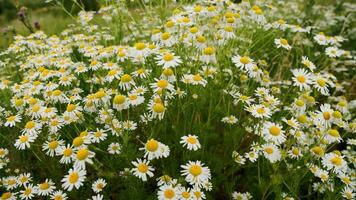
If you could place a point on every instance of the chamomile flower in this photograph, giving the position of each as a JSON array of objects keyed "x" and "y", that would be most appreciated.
[
  {"x": 45, "y": 188},
  {"x": 282, "y": 42},
  {"x": 59, "y": 194},
  {"x": 243, "y": 62},
  {"x": 114, "y": 148},
  {"x": 23, "y": 141},
  {"x": 168, "y": 60},
  {"x": 273, "y": 132},
  {"x": 229, "y": 119},
  {"x": 191, "y": 142},
  {"x": 12, "y": 120},
  {"x": 74, "y": 179},
  {"x": 28, "y": 193},
  {"x": 168, "y": 192},
  {"x": 271, "y": 152},
  {"x": 306, "y": 62},
  {"x": 334, "y": 162},
  {"x": 98, "y": 185},
  {"x": 82, "y": 156},
  {"x": 259, "y": 111},
  {"x": 302, "y": 79},
  {"x": 195, "y": 173},
  {"x": 142, "y": 169}
]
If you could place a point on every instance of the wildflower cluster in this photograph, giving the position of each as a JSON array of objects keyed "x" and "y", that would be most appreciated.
[{"x": 216, "y": 96}]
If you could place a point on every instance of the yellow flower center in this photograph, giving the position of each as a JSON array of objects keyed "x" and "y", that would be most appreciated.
[
  {"x": 197, "y": 78},
  {"x": 336, "y": 161},
  {"x": 301, "y": 78},
  {"x": 185, "y": 194},
  {"x": 245, "y": 60},
  {"x": 299, "y": 103},
  {"x": 337, "y": 114},
  {"x": 100, "y": 94},
  {"x": 168, "y": 72},
  {"x": 71, "y": 107},
  {"x": 125, "y": 78},
  {"x": 67, "y": 152},
  {"x": 11, "y": 118},
  {"x": 142, "y": 167},
  {"x": 295, "y": 151},
  {"x": 318, "y": 150},
  {"x": 334, "y": 133},
  {"x": 152, "y": 145},
  {"x": 261, "y": 110},
  {"x": 169, "y": 193},
  {"x": 78, "y": 141},
  {"x": 6, "y": 195},
  {"x": 53, "y": 145},
  {"x": 23, "y": 138},
  {"x": 44, "y": 186},
  {"x": 165, "y": 36},
  {"x": 209, "y": 51},
  {"x": 82, "y": 154},
  {"x": 284, "y": 41},
  {"x": 162, "y": 83},
  {"x": 321, "y": 82},
  {"x": 30, "y": 125},
  {"x": 269, "y": 150},
  {"x": 195, "y": 170},
  {"x": 326, "y": 115},
  {"x": 274, "y": 130},
  {"x": 168, "y": 57},
  {"x": 73, "y": 177},
  {"x": 192, "y": 140},
  {"x": 228, "y": 28},
  {"x": 158, "y": 108},
  {"x": 140, "y": 46}
]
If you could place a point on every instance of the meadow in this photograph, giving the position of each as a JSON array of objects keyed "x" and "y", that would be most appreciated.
[{"x": 158, "y": 99}]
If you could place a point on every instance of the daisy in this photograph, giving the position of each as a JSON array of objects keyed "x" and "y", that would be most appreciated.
[
  {"x": 120, "y": 102},
  {"x": 126, "y": 82},
  {"x": 195, "y": 173},
  {"x": 252, "y": 155},
  {"x": 191, "y": 141},
  {"x": 23, "y": 142},
  {"x": 152, "y": 149},
  {"x": 208, "y": 55},
  {"x": 98, "y": 185},
  {"x": 334, "y": 162},
  {"x": 243, "y": 62},
  {"x": 114, "y": 148},
  {"x": 281, "y": 42},
  {"x": 161, "y": 84},
  {"x": 167, "y": 192},
  {"x": 45, "y": 188},
  {"x": 74, "y": 179},
  {"x": 271, "y": 152},
  {"x": 273, "y": 133},
  {"x": 306, "y": 62},
  {"x": 333, "y": 135},
  {"x": 32, "y": 128},
  {"x": 24, "y": 179},
  {"x": 229, "y": 119},
  {"x": 198, "y": 80},
  {"x": 28, "y": 192},
  {"x": 59, "y": 195},
  {"x": 82, "y": 156},
  {"x": 295, "y": 152},
  {"x": 67, "y": 153},
  {"x": 8, "y": 196},
  {"x": 12, "y": 120},
  {"x": 321, "y": 84},
  {"x": 167, "y": 60},
  {"x": 333, "y": 52},
  {"x": 259, "y": 111},
  {"x": 302, "y": 79},
  {"x": 52, "y": 147},
  {"x": 98, "y": 136},
  {"x": 142, "y": 169},
  {"x": 348, "y": 193}
]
